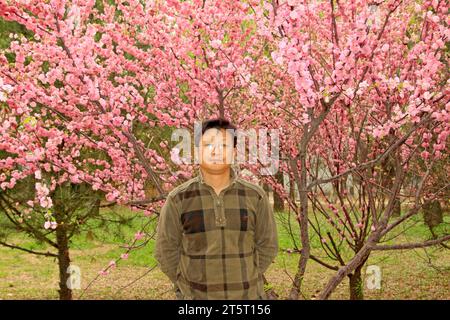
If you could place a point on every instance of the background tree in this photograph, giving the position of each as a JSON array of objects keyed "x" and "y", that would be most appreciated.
[
  {"x": 359, "y": 83},
  {"x": 354, "y": 86}
]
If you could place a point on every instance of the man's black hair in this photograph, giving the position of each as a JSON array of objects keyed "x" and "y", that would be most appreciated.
[{"x": 217, "y": 123}]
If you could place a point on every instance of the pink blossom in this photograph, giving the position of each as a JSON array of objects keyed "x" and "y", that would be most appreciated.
[
  {"x": 294, "y": 15},
  {"x": 112, "y": 196},
  {"x": 139, "y": 235},
  {"x": 253, "y": 88},
  {"x": 216, "y": 43},
  {"x": 103, "y": 272},
  {"x": 148, "y": 213},
  {"x": 37, "y": 174},
  {"x": 425, "y": 154},
  {"x": 46, "y": 202}
]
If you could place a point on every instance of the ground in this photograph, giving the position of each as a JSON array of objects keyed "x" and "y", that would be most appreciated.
[{"x": 406, "y": 274}]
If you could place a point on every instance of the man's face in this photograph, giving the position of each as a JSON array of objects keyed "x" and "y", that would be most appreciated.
[{"x": 216, "y": 149}]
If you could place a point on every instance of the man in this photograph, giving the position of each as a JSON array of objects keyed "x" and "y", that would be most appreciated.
[{"x": 216, "y": 233}]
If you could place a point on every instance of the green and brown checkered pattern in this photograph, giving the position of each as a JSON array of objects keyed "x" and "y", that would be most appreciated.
[{"x": 217, "y": 246}]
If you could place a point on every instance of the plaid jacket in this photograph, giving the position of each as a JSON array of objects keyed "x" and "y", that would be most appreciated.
[{"x": 217, "y": 246}]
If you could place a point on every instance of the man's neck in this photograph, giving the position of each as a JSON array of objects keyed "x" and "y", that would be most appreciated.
[{"x": 218, "y": 181}]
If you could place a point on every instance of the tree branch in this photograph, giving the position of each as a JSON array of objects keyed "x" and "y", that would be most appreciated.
[
  {"x": 47, "y": 254},
  {"x": 424, "y": 244}
]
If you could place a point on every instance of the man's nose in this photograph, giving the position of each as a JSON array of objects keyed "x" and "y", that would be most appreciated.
[{"x": 215, "y": 149}]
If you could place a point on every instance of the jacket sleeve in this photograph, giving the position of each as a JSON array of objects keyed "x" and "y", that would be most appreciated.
[
  {"x": 168, "y": 239},
  {"x": 266, "y": 236}
]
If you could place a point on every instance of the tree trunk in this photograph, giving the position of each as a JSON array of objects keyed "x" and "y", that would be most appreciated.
[
  {"x": 356, "y": 285},
  {"x": 303, "y": 221},
  {"x": 65, "y": 293},
  {"x": 278, "y": 203},
  {"x": 63, "y": 262},
  {"x": 363, "y": 254},
  {"x": 432, "y": 213}
]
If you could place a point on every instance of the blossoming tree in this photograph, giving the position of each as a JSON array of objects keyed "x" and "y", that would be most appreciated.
[{"x": 353, "y": 85}]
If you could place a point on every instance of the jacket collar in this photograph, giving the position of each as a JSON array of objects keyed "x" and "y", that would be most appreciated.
[{"x": 233, "y": 176}]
